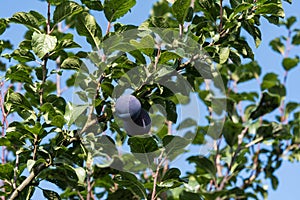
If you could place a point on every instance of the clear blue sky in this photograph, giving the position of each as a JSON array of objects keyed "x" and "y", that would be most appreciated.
[{"x": 288, "y": 174}]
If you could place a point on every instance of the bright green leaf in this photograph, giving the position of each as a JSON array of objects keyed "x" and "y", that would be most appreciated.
[
  {"x": 290, "y": 63},
  {"x": 114, "y": 9},
  {"x": 43, "y": 44},
  {"x": 26, "y": 19}
]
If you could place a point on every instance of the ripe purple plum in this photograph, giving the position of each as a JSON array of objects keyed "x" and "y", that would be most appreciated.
[
  {"x": 128, "y": 107},
  {"x": 139, "y": 126}
]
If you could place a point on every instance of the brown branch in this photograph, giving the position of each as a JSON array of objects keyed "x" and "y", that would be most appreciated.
[
  {"x": 28, "y": 180},
  {"x": 155, "y": 175},
  {"x": 108, "y": 28},
  {"x": 48, "y": 18},
  {"x": 221, "y": 16}
]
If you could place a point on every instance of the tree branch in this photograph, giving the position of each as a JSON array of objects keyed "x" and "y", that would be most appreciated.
[{"x": 28, "y": 180}]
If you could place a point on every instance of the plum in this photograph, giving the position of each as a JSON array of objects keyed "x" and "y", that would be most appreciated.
[
  {"x": 128, "y": 107},
  {"x": 139, "y": 126}
]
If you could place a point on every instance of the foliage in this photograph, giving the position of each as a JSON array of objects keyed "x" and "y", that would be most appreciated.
[{"x": 44, "y": 134}]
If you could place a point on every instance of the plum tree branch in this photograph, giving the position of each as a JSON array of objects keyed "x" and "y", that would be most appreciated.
[{"x": 28, "y": 180}]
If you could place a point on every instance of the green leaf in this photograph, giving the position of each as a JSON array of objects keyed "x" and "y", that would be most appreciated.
[
  {"x": 174, "y": 145},
  {"x": 171, "y": 111},
  {"x": 274, "y": 9},
  {"x": 290, "y": 21},
  {"x": 93, "y": 4},
  {"x": 267, "y": 104},
  {"x": 296, "y": 39},
  {"x": 43, "y": 44},
  {"x": 81, "y": 174},
  {"x": 87, "y": 26},
  {"x": 290, "y": 63},
  {"x": 114, "y": 9},
  {"x": 23, "y": 55},
  {"x": 274, "y": 182},
  {"x": 187, "y": 123},
  {"x": 204, "y": 163},
  {"x": 167, "y": 56},
  {"x": 224, "y": 54},
  {"x": 19, "y": 73},
  {"x": 27, "y": 19},
  {"x": 129, "y": 181},
  {"x": 4, "y": 142},
  {"x": 231, "y": 131},
  {"x": 180, "y": 9},
  {"x": 269, "y": 80},
  {"x": 190, "y": 196},
  {"x": 18, "y": 100},
  {"x": 6, "y": 171},
  {"x": 51, "y": 195},
  {"x": 172, "y": 173},
  {"x": 277, "y": 45},
  {"x": 3, "y": 26},
  {"x": 240, "y": 8},
  {"x": 71, "y": 63},
  {"x": 142, "y": 144},
  {"x": 66, "y": 9}
]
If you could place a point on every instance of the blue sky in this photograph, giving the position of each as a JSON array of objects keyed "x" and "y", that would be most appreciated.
[{"x": 288, "y": 174}]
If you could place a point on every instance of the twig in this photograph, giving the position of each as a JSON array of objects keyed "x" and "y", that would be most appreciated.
[
  {"x": 221, "y": 16},
  {"x": 58, "y": 77},
  {"x": 48, "y": 18},
  {"x": 155, "y": 175},
  {"x": 108, "y": 28},
  {"x": 28, "y": 180}
]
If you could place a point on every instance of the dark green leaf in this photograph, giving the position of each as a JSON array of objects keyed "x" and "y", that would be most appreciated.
[
  {"x": 142, "y": 144},
  {"x": 66, "y": 9},
  {"x": 87, "y": 26},
  {"x": 23, "y": 55},
  {"x": 3, "y": 26},
  {"x": 93, "y": 4},
  {"x": 51, "y": 195},
  {"x": 231, "y": 131},
  {"x": 271, "y": 9},
  {"x": 203, "y": 163},
  {"x": 180, "y": 9},
  {"x": 296, "y": 39},
  {"x": 267, "y": 104},
  {"x": 26, "y": 19},
  {"x": 19, "y": 73},
  {"x": 172, "y": 173}
]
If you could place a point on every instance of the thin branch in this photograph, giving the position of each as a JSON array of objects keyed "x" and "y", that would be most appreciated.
[
  {"x": 28, "y": 180},
  {"x": 48, "y": 18},
  {"x": 155, "y": 175},
  {"x": 58, "y": 77},
  {"x": 221, "y": 16},
  {"x": 108, "y": 28}
]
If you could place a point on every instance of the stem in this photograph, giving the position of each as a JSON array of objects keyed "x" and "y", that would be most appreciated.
[
  {"x": 58, "y": 77},
  {"x": 108, "y": 28},
  {"x": 155, "y": 175},
  {"x": 48, "y": 19},
  {"x": 221, "y": 16},
  {"x": 28, "y": 180}
]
